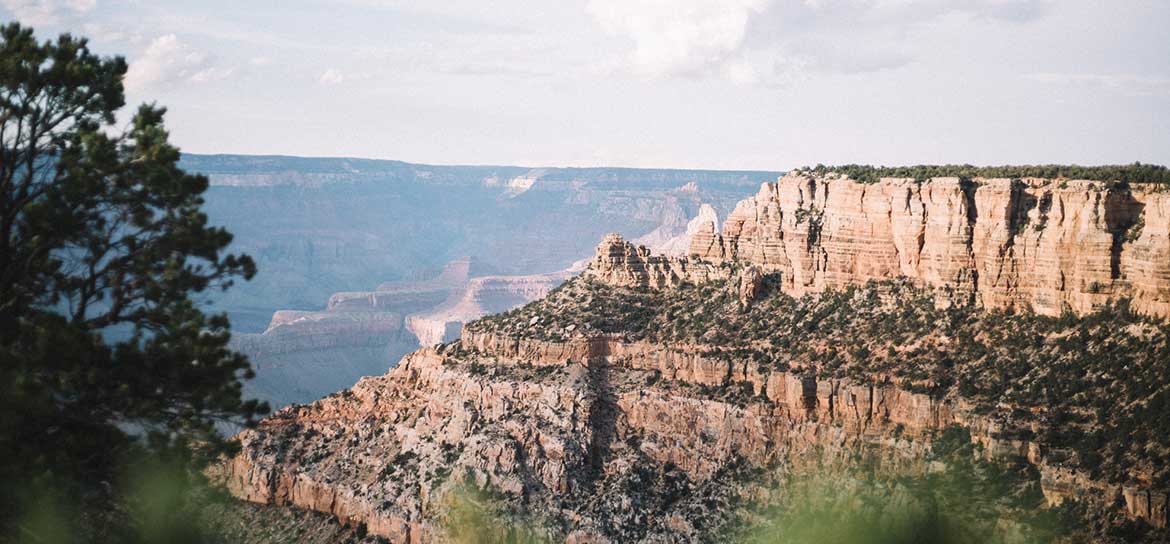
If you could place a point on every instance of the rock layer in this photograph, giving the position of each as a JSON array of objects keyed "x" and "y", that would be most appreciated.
[
  {"x": 1031, "y": 244},
  {"x": 618, "y": 262},
  {"x": 535, "y": 434}
]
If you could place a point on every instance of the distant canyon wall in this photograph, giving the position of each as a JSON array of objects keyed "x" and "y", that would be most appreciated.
[
  {"x": 305, "y": 355},
  {"x": 481, "y": 296},
  {"x": 317, "y": 226},
  {"x": 1033, "y": 244}
]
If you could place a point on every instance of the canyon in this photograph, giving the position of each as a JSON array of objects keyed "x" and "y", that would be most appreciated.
[
  {"x": 441, "y": 245},
  {"x": 305, "y": 355},
  {"x": 319, "y": 226},
  {"x": 651, "y": 394}
]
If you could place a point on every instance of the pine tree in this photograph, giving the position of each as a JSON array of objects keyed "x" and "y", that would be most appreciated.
[{"x": 105, "y": 355}]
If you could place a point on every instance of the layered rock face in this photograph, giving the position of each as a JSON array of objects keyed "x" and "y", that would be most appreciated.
[
  {"x": 305, "y": 355},
  {"x": 1030, "y": 244},
  {"x": 293, "y": 331},
  {"x": 593, "y": 432},
  {"x": 618, "y": 262},
  {"x": 552, "y": 429},
  {"x": 549, "y": 425}
]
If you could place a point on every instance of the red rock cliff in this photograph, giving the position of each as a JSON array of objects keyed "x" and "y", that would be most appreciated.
[{"x": 1028, "y": 244}]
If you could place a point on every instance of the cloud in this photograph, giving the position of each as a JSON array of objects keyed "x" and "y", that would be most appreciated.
[
  {"x": 764, "y": 41},
  {"x": 108, "y": 34},
  {"x": 911, "y": 11},
  {"x": 1126, "y": 84},
  {"x": 168, "y": 62},
  {"x": 690, "y": 37},
  {"x": 47, "y": 12},
  {"x": 331, "y": 77}
]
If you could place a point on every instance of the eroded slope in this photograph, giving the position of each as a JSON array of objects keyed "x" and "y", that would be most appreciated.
[{"x": 614, "y": 412}]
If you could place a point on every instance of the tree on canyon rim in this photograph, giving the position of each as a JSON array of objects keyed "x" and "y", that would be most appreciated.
[{"x": 106, "y": 359}]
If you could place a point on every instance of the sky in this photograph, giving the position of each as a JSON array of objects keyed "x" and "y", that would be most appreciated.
[{"x": 721, "y": 84}]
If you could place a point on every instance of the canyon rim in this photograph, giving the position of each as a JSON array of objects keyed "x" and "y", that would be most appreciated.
[{"x": 830, "y": 322}]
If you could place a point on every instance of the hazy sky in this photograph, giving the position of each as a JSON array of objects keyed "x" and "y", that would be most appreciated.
[{"x": 763, "y": 84}]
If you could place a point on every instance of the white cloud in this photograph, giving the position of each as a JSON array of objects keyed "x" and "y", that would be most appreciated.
[
  {"x": 47, "y": 12},
  {"x": 689, "y": 37},
  {"x": 168, "y": 62},
  {"x": 332, "y": 76},
  {"x": 763, "y": 41},
  {"x": 1127, "y": 84}
]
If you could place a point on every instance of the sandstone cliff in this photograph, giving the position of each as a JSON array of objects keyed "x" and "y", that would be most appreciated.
[
  {"x": 657, "y": 397},
  {"x": 1029, "y": 244},
  {"x": 383, "y": 454},
  {"x": 618, "y": 262},
  {"x": 593, "y": 413}
]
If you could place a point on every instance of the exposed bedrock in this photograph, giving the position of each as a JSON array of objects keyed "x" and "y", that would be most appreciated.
[
  {"x": 538, "y": 435},
  {"x": 1028, "y": 244},
  {"x": 618, "y": 262}
]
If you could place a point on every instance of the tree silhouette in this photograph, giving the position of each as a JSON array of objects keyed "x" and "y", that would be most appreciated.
[{"x": 105, "y": 356}]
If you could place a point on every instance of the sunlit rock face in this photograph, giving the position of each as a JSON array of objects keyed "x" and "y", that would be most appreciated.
[
  {"x": 592, "y": 428},
  {"x": 1032, "y": 244}
]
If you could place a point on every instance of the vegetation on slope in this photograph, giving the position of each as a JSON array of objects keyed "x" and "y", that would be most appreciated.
[
  {"x": 1093, "y": 389},
  {"x": 962, "y": 499}
]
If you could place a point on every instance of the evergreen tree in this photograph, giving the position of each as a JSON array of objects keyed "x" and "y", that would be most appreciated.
[{"x": 105, "y": 356}]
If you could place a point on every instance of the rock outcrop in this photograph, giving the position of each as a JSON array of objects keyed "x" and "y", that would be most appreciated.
[
  {"x": 533, "y": 433},
  {"x": 751, "y": 282},
  {"x": 576, "y": 416},
  {"x": 1030, "y": 244},
  {"x": 618, "y": 262}
]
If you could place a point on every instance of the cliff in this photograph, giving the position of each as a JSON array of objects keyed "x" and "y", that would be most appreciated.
[
  {"x": 655, "y": 398},
  {"x": 1030, "y": 244},
  {"x": 618, "y": 262}
]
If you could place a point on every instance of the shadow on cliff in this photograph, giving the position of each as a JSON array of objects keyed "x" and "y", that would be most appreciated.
[
  {"x": 1123, "y": 218},
  {"x": 603, "y": 413}
]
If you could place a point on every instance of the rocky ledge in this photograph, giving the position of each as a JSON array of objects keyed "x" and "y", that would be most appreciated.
[
  {"x": 1029, "y": 244},
  {"x": 659, "y": 399}
]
